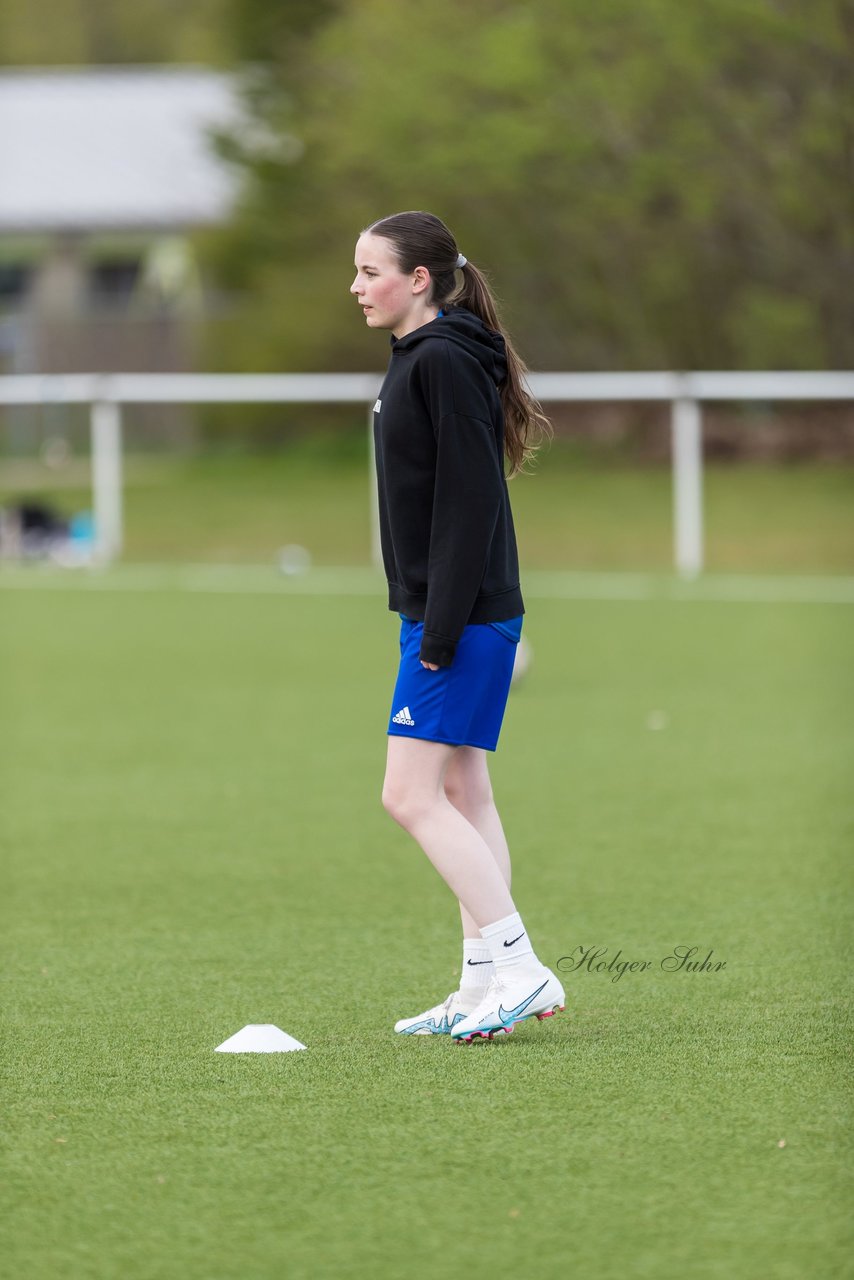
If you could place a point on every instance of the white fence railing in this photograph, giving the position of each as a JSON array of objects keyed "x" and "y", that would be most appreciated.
[{"x": 686, "y": 392}]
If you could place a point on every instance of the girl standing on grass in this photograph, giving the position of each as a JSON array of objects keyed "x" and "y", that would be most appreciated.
[{"x": 452, "y": 406}]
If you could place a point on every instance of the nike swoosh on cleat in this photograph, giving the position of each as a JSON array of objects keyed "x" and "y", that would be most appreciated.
[
  {"x": 473, "y": 962},
  {"x": 510, "y": 944},
  {"x": 509, "y": 1015}
]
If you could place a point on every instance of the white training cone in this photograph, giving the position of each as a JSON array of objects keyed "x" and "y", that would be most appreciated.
[{"x": 262, "y": 1037}]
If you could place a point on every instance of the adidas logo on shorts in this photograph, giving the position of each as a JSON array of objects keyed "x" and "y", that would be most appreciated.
[{"x": 403, "y": 717}]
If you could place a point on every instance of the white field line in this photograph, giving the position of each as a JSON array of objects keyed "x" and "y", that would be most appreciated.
[{"x": 356, "y": 581}]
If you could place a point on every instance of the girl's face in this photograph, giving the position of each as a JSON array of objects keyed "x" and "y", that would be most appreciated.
[{"x": 388, "y": 298}]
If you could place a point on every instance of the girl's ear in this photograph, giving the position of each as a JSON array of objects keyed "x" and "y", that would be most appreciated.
[{"x": 420, "y": 280}]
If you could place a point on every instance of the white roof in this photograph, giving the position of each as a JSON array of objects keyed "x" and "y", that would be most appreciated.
[{"x": 113, "y": 148}]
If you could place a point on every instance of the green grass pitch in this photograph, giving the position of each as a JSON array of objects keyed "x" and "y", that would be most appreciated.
[{"x": 194, "y": 841}]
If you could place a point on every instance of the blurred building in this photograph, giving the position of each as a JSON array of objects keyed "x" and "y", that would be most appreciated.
[{"x": 103, "y": 173}]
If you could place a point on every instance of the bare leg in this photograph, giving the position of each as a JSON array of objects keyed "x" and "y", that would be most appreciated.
[
  {"x": 469, "y": 789},
  {"x": 414, "y": 794}
]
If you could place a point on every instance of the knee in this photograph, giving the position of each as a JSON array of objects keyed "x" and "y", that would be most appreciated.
[
  {"x": 405, "y": 803},
  {"x": 391, "y": 799}
]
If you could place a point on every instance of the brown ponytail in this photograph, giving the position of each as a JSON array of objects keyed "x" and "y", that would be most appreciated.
[{"x": 422, "y": 240}]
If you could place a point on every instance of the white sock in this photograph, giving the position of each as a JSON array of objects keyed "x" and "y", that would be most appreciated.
[
  {"x": 510, "y": 948},
  {"x": 477, "y": 969}
]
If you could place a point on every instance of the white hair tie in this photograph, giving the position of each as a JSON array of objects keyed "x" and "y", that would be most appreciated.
[{"x": 461, "y": 261}]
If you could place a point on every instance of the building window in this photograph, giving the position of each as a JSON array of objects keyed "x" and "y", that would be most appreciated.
[
  {"x": 112, "y": 282},
  {"x": 14, "y": 283}
]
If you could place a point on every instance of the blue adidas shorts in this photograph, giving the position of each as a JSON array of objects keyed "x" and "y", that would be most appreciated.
[{"x": 462, "y": 704}]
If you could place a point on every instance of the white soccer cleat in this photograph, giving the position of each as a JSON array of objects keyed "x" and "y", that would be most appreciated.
[
  {"x": 436, "y": 1022},
  {"x": 505, "y": 1004}
]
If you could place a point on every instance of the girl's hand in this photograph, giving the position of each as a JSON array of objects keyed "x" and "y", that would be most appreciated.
[{"x": 431, "y": 666}]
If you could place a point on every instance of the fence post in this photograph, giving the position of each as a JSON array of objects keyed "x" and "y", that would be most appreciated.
[
  {"x": 687, "y": 444},
  {"x": 106, "y": 426}
]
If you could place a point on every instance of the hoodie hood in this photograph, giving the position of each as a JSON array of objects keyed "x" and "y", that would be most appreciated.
[{"x": 467, "y": 331}]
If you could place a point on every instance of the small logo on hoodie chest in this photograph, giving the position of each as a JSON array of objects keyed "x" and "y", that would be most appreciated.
[{"x": 378, "y": 406}]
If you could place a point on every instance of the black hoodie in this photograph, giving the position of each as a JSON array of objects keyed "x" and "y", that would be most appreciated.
[{"x": 448, "y": 543}]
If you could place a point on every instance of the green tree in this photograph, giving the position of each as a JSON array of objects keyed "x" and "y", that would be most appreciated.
[
  {"x": 113, "y": 32},
  {"x": 653, "y": 186}
]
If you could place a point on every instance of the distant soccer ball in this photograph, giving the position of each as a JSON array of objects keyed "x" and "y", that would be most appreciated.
[
  {"x": 523, "y": 660},
  {"x": 294, "y": 559}
]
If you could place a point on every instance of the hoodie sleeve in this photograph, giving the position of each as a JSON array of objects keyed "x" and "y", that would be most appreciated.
[{"x": 466, "y": 498}]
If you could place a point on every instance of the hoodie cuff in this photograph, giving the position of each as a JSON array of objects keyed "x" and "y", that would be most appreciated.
[{"x": 437, "y": 649}]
